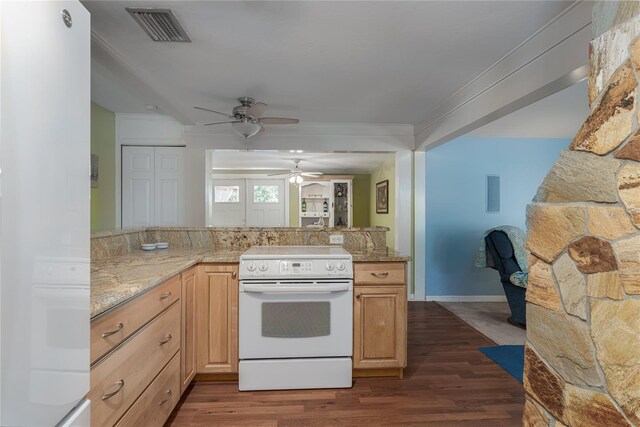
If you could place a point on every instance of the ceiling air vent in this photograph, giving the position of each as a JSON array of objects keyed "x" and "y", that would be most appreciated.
[{"x": 161, "y": 24}]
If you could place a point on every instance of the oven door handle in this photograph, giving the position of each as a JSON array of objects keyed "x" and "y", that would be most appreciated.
[{"x": 293, "y": 289}]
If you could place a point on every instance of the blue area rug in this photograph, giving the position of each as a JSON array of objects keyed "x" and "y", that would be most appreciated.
[{"x": 508, "y": 357}]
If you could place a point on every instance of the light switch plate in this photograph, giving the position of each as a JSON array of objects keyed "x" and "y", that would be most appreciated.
[{"x": 336, "y": 239}]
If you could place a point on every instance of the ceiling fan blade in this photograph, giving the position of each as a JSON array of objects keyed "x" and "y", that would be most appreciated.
[
  {"x": 257, "y": 109},
  {"x": 213, "y": 111},
  {"x": 311, "y": 173},
  {"x": 278, "y": 121},
  {"x": 220, "y": 123},
  {"x": 279, "y": 174}
]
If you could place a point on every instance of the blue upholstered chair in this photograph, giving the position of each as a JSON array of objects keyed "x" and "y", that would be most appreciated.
[{"x": 500, "y": 248}]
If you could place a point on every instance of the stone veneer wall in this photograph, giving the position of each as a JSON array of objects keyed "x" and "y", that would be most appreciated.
[
  {"x": 121, "y": 242},
  {"x": 582, "y": 357}
]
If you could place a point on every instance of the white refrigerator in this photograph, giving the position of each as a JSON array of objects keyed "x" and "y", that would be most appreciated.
[{"x": 44, "y": 213}]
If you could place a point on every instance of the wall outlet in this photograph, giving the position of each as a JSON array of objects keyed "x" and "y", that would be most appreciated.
[{"x": 336, "y": 239}]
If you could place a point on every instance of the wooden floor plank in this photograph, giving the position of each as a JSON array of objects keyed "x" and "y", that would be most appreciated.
[{"x": 448, "y": 382}]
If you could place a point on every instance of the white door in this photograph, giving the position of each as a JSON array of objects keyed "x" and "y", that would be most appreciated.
[
  {"x": 228, "y": 203},
  {"x": 169, "y": 204},
  {"x": 138, "y": 190},
  {"x": 265, "y": 203}
]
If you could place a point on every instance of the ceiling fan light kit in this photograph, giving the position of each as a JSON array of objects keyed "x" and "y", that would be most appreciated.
[
  {"x": 296, "y": 176},
  {"x": 296, "y": 179},
  {"x": 246, "y": 129},
  {"x": 246, "y": 119}
]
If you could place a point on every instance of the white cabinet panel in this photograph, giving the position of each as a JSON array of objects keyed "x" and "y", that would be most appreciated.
[
  {"x": 141, "y": 163},
  {"x": 169, "y": 186},
  {"x": 153, "y": 190},
  {"x": 140, "y": 201},
  {"x": 167, "y": 206},
  {"x": 137, "y": 186}
]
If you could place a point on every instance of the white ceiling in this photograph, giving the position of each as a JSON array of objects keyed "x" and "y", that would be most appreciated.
[
  {"x": 314, "y": 162},
  {"x": 323, "y": 61},
  {"x": 557, "y": 116}
]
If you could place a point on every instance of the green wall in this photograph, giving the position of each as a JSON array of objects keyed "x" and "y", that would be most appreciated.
[
  {"x": 387, "y": 170},
  {"x": 360, "y": 198},
  {"x": 103, "y": 144},
  {"x": 294, "y": 198}
]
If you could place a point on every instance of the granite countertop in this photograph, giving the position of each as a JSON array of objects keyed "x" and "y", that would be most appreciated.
[{"x": 116, "y": 280}]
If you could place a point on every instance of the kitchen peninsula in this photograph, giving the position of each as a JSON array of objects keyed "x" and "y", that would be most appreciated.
[{"x": 178, "y": 307}]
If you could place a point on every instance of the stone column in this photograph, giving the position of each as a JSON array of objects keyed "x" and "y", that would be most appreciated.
[{"x": 582, "y": 357}]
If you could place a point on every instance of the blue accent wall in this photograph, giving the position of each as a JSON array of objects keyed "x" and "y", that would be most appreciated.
[{"x": 456, "y": 214}]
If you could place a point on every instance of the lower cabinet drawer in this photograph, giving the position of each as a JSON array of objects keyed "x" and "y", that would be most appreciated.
[
  {"x": 108, "y": 331},
  {"x": 118, "y": 380},
  {"x": 379, "y": 273},
  {"x": 156, "y": 403}
]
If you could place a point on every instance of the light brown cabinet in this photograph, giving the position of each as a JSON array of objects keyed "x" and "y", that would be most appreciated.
[
  {"x": 112, "y": 328},
  {"x": 188, "y": 345},
  {"x": 380, "y": 318},
  {"x": 119, "y": 378},
  {"x": 156, "y": 403},
  {"x": 217, "y": 319}
]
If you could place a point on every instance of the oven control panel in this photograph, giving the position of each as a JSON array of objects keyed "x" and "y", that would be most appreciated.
[
  {"x": 296, "y": 267},
  {"x": 316, "y": 268}
]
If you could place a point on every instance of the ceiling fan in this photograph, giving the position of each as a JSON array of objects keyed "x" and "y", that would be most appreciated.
[
  {"x": 246, "y": 119},
  {"x": 296, "y": 175}
]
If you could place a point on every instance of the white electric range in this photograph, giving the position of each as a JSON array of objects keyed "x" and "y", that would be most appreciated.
[{"x": 295, "y": 318}]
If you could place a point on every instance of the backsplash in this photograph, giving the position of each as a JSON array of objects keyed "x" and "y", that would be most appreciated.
[{"x": 121, "y": 242}]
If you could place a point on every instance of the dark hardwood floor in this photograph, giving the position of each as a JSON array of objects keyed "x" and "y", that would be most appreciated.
[{"x": 448, "y": 382}]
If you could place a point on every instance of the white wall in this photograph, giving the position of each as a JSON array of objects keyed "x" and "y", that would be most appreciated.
[
  {"x": 456, "y": 214},
  {"x": 159, "y": 130}
]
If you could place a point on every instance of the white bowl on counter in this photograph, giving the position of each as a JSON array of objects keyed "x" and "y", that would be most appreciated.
[
  {"x": 148, "y": 246},
  {"x": 162, "y": 245}
]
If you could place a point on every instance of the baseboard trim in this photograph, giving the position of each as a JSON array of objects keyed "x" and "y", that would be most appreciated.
[{"x": 466, "y": 298}]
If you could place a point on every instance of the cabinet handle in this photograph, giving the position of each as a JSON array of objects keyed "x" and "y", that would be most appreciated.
[
  {"x": 358, "y": 296},
  {"x": 165, "y": 295},
  {"x": 163, "y": 401},
  {"x": 233, "y": 274},
  {"x": 120, "y": 384},
  {"x": 118, "y": 328},
  {"x": 380, "y": 275},
  {"x": 166, "y": 339}
]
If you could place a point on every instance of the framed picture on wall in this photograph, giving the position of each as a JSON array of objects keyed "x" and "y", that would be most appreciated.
[
  {"x": 382, "y": 197},
  {"x": 94, "y": 171}
]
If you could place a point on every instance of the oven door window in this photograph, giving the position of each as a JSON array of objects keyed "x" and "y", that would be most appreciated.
[{"x": 296, "y": 319}]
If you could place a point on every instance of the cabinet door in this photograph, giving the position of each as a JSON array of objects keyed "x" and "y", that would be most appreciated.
[
  {"x": 380, "y": 327},
  {"x": 217, "y": 319},
  {"x": 341, "y": 206},
  {"x": 153, "y": 190},
  {"x": 188, "y": 349},
  {"x": 138, "y": 187},
  {"x": 169, "y": 186}
]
